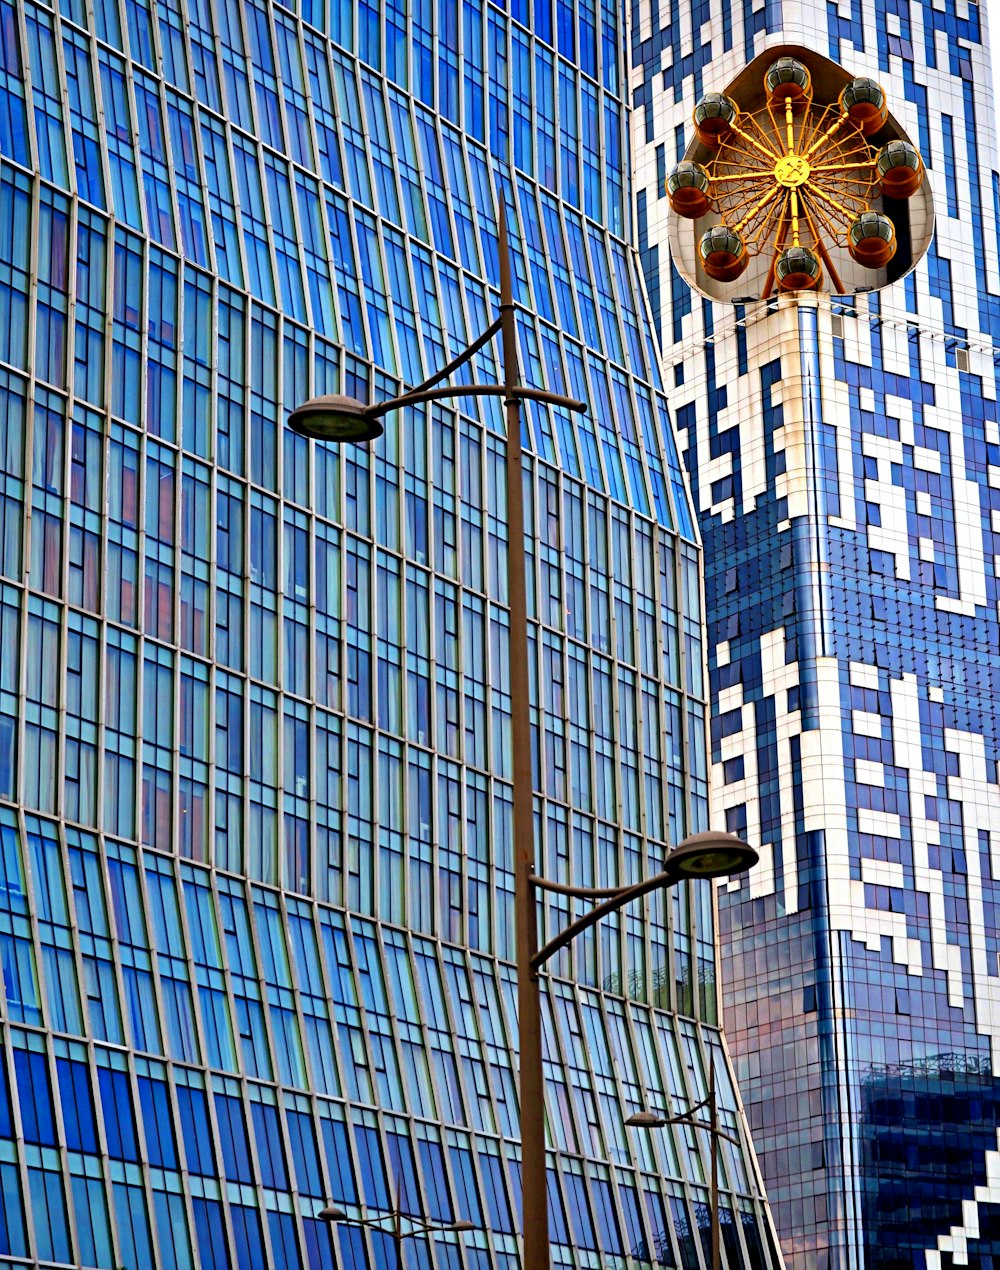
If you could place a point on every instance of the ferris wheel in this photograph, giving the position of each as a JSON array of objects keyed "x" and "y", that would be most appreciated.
[{"x": 793, "y": 179}]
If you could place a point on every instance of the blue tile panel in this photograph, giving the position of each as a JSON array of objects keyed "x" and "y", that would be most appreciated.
[
  {"x": 845, "y": 460},
  {"x": 256, "y": 888}
]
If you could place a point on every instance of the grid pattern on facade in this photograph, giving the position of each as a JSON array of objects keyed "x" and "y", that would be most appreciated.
[
  {"x": 347, "y": 1060},
  {"x": 253, "y": 712},
  {"x": 844, "y": 459}
]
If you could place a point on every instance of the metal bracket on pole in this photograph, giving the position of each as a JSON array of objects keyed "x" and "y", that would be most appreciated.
[
  {"x": 616, "y": 899},
  {"x": 425, "y": 393}
]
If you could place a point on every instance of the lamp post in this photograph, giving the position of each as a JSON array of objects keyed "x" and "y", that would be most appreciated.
[
  {"x": 653, "y": 1120},
  {"x": 415, "y": 1226},
  {"x": 338, "y": 418}
]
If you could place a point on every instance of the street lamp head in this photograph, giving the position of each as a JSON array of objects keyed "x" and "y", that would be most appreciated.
[
  {"x": 462, "y": 1225},
  {"x": 711, "y": 855},
  {"x": 335, "y": 418},
  {"x": 646, "y": 1120},
  {"x": 332, "y": 1214}
]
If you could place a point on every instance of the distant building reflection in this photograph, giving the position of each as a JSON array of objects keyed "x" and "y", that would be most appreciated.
[{"x": 925, "y": 1130}]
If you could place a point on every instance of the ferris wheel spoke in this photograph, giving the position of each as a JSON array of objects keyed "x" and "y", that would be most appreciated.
[
  {"x": 809, "y": 132},
  {"x": 812, "y": 205},
  {"x": 742, "y": 196},
  {"x": 762, "y": 147},
  {"x": 859, "y": 149},
  {"x": 771, "y": 138},
  {"x": 758, "y": 206},
  {"x": 830, "y": 200},
  {"x": 779, "y": 243},
  {"x": 775, "y": 210},
  {"x": 844, "y": 174},
  {"x": 760, "y": 231},
  {"x": 759, "y": 175},
  {"x": 775, "y": 126},
  {"x": 837, "y": 124},
  {"x": 811, "y": 221},
  {"x": 840, "y": 151},
  {"x": 850, "y": 194},
  {"x": 859, "y": 174},
  {"x": 789, "y": 127},
  {"x": 827, "y": 260},
  {"x": 793, "y": 202}
]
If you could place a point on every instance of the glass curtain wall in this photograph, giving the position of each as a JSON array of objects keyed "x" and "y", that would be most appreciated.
[{"x": 255, "y": 858}]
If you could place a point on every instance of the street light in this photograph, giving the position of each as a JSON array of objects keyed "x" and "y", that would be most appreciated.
[
  {"x": 702, "y": 855},
  {"x": 338, "y": 418},
  {"x": 653, "y": 1120},
  {"x": 414, "y": 1225}
]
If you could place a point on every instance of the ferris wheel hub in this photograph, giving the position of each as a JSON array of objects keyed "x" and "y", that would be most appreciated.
[{"x": 791, "y": 171}]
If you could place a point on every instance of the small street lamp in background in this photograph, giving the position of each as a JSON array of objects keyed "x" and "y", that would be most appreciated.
[
  {"x": 654, "y": 1120},
  {"x": 397, "y": 1231}
]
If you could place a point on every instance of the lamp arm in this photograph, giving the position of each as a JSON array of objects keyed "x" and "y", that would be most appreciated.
[
  {"x": 462, "y": 358},
  {"x": 697, "y": 1106},
  {"x": 618, "y": 900},
  {"x": 368, "y": 1223},
  {"x": 578, "y": 892},
  {"x": 419, "y": 395},
  {"x": 703, "y": 1124},
  {"x": 413, "y": 1230},
  {"x": 418, "y": 1226},
  {"x": 428, "y": 1228}
]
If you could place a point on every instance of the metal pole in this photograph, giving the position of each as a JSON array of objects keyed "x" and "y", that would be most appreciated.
[
  {"x": 534, "y": 1206},
  {"x": 713, "y": 1119},
  {"x": 396, "y": 1234}
]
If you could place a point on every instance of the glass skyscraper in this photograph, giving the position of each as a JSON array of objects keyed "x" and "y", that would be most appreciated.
[
  {"x": 256, "y": 890},
  {"x": 845, "y": 457}
]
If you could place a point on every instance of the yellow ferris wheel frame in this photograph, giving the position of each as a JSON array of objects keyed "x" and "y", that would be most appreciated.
[
  {"x": 814, "y": 176},
  {"x": 793, "y": 179}
]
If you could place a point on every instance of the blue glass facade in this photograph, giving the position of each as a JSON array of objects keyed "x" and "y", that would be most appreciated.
[
  {"x": 845, "y": 456},
  {"x": 255, "y": 861}
]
